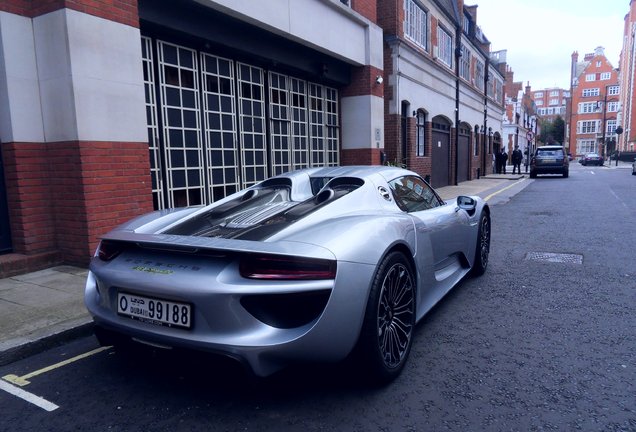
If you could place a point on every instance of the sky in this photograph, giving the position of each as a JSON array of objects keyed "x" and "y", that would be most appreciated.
[{"x": 541, "y": 35}]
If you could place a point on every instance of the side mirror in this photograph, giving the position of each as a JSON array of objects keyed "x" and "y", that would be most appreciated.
[{"x": 467, "y": 203}]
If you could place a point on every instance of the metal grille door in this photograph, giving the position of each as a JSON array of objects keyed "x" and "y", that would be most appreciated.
[
  {"x": 151, "y": 122},
  {"x": 331, "y": 144},
  {"x": 280, "y": 135},
  {"x": 219, "y": 108},
  {"x": 251, "y": 96},
  {"x": 299, "y": 111},
  {"x": 183, "y": 149}
]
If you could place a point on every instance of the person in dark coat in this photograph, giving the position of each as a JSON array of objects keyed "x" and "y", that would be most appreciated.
[
  {"x": 517, "y": 158},
  {"x": 503, "y": 160}
]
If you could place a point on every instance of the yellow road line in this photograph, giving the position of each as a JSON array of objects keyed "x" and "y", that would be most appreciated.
[
  {"x": 23, "y": 380},
  {"x": 501, "y": 190}
]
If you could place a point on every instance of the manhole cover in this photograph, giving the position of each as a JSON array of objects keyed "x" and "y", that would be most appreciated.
[{"x": 555, "y": 257}]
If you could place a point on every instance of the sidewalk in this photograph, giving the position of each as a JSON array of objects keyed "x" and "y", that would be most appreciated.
[
  {"x": 44, "y": 308},
  {"x": 41, "y": 309}
]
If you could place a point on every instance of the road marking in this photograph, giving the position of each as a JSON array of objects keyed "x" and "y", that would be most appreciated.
[
  {"x": 29, "y": 397},
  {"x": 501, "y": 190},
  {"x": 23, "y": 380}
]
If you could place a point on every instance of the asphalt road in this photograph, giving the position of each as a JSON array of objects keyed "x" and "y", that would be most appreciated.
[{"x": 543, "y": 341}]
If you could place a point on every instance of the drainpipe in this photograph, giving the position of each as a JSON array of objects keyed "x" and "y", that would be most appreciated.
[
  {"x": 486, "y": 68},
  {"x": 458, "y": 55}
]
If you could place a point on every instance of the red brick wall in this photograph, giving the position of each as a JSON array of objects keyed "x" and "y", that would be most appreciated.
[
  {"x": 390, "y": 16},
  {"x": 26, "y": 170},
  {"x": 361, "y": 157},
  {"x": 363, "y": 82},
  {"x": 121, "y": 11},
  {"x": 63, "y": 196},
  {"x": 366, "y": 8}
]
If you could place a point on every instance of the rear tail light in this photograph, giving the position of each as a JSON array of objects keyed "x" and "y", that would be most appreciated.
[
  {"x": 108, "y": 250},
  {"x": 286, "y": 268}
]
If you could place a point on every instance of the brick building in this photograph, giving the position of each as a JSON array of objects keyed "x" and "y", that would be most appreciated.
[
  {"x": 113, "y": 109},
  {"x": 627, "y": 84},
  {"x": 551, "y": 103},
  {"x": 443, "y": 94},
  {"x": 595, "y": 104}
]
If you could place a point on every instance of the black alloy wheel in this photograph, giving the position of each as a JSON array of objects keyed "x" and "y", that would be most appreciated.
[
  {"x": 389, "y": 322},
  {"x": 482, "y": 251}
]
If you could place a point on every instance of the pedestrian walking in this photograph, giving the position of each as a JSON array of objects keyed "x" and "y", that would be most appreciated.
[{"x": 517, "y": 157}]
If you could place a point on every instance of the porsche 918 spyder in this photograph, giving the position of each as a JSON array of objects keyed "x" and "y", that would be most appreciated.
[{"x": 319, "y": 264}]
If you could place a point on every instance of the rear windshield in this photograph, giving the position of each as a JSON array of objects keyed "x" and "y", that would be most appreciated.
[{"x": 550, "y": 152}]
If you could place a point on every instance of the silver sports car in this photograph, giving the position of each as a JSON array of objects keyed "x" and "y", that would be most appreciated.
[{"x": 314, "y": 265}]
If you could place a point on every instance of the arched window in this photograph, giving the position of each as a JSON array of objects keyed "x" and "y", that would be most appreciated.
[{"x": 420, "y": 130}]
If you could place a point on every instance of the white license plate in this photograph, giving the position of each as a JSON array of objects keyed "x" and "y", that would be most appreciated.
[{"x": 154, "y": 311}]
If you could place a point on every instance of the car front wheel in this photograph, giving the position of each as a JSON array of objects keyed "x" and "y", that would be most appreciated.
[
  {"x": 389, "y": 321},
  {"x": 482, "y": 250}
]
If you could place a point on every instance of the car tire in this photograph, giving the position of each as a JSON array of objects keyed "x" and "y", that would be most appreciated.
[
  {"x": 566, "y": 174},
  {"x": 482, "y": 249},
  {"x": 389, "y": 321},
  {"x": 533, "y": 174}
]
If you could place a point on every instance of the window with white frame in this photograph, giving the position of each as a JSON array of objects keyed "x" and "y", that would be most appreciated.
[
  {"x": 538, "y": 103},
  {"x": 591, "y": 92},
  {"x": 466, "y": 24},
  {"x": 590, "y": 77},
  {"x": 613, "y": 90},
  {"x": 444, "y": 47},
  {"x": 554, "y": 93},
  {"x": 587, "y": 126},
  {"x": 585, "y": 146},
  {"x": 538, "y": 95},
  {"x": 554, "y": 102},
  {"x": 613, "y": 106},
  {"x": 415, "y": 23},
  {"x": 610, "y": 127},
  {"x": 464, "y": 63},
  {"x": 490, "y": 90},
  {"x": 598, "y": 63},
  {"x": 605, "y": 76},
  {"x": 588, "y": 107},
  {"x": 479, "y": 74},
  {"x": 498, "y": 89}
]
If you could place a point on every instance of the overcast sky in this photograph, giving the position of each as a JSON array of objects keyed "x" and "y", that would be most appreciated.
[{"x": 541, "y": 35}]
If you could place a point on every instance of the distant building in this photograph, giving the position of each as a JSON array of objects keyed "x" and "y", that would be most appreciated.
[
  {"x": 595, "y": 104},
  {"x": 551, "y": 102},
  {"x": 521, "y": 123}
]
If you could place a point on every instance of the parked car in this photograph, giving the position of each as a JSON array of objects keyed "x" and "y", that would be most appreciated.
[
  {"x": 549, "y": 160},
  {"x": 316, "y": 264},
  {"x": 634, "y": 167},
  {"x": 592, "y": 159}
]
